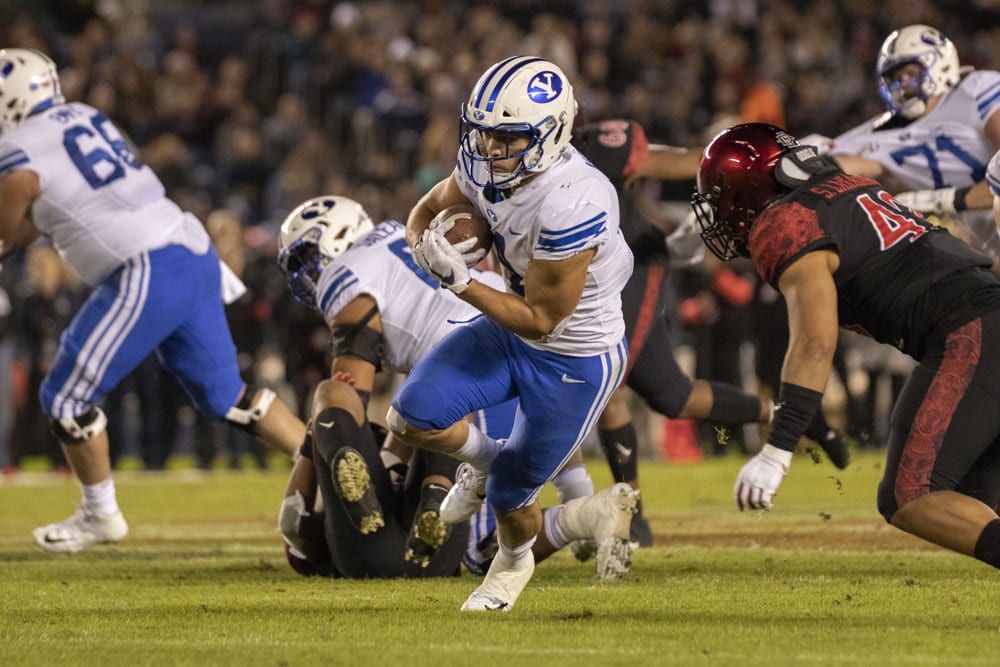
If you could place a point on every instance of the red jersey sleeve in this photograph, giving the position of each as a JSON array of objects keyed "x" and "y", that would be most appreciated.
[{"x": 781, "y": 234}]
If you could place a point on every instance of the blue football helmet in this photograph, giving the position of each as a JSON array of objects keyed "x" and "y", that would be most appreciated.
[{"x": 517, "y": 97}]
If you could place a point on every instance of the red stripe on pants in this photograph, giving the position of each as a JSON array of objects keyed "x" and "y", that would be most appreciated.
[
  {"x": 647, "y": 311},
  {"x": 961, "y": 356}
]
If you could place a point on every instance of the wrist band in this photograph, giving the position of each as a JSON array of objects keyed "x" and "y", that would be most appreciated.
[
  {"x": 960, "y": 195},
  {"x": 793, "y": 412}
]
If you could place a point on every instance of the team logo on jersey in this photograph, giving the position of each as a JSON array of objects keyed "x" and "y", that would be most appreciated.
[
  {"x": 544, "y": 87},
  {"x": 491, "y": 215}
]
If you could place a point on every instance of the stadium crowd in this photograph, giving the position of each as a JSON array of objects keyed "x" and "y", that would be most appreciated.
[{"x": 245, "y": 113}]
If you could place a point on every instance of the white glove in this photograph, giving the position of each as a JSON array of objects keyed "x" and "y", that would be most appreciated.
[
  {"x": 684, "y": 243},
  {"x": 444, "y": 261},
  {"x": 293, "y": 508},
  {"x": 822, "y": 144},
  {"x": 470, "y": 254},
  {"x": 760, "y": 478},
  {"x": 934, "y": 202}
]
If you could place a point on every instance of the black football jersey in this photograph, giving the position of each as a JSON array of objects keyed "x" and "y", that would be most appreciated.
[
  {"x": 901, "y": 280},
  {"x": 618, "y": 148}
]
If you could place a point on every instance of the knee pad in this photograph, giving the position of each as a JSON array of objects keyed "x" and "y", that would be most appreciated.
[
  {"x": 248, "y": 411},
  {"x": 78, "y": 430}
]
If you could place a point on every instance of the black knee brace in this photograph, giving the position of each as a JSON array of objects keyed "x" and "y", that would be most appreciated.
[
  {"x": 78, "y": 430},
  {"x": 248, "y": 412}
]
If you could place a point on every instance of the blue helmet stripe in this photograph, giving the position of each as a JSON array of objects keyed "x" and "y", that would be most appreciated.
[
  {"x": 506, "y": 77},
  {"x": 486, "y": 83}
]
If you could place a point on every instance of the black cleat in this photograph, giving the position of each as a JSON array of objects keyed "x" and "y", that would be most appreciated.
[
  {"x": 835, "y": 447},
  {"x": 353, "y": 484},
  {"x": 829, "y": 440},
  {"x": 640, "y": 534},
  {"x": 428, "y": 532}
]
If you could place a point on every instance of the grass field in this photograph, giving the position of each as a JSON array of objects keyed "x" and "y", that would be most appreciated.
[{"x": 820, "y": 580}]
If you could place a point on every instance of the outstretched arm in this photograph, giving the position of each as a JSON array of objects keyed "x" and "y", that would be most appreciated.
[{"x": 811, "y": 297}]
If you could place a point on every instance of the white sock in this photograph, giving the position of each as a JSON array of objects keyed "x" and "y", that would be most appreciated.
[
  {"x": 479, "y": 449},
  {"x": 573, "y": 483},
  {"x": 553, "y": 529},
  {"x": 515, "y": 557},
  {"x": 100, "y": 498}
]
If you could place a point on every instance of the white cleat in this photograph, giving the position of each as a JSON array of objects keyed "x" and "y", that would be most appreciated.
[
  {"x": 501, "y": 587},
  {"x": 606, "y": 518},
  {"x": 465, "y": 497},
  {"x": 81, "y": 530}
]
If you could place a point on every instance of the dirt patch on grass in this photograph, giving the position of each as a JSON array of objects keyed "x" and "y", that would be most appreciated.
[{"x": 827, "y": 534}]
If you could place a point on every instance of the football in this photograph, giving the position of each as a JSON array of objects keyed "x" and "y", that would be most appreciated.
[{"x": 468, "y": 223}]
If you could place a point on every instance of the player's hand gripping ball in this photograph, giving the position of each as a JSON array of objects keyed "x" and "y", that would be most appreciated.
[{"x": 466, "y": 230}]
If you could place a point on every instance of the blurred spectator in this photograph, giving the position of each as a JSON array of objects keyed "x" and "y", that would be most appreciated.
[
  {"x": 43, "y": 306},
  {"x": 254, "y": 107}
]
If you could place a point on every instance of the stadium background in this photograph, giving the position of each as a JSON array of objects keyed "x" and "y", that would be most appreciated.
[{"x": 246, "y": 108}]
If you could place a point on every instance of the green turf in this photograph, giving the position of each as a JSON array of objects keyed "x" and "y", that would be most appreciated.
[{"x": 821, "y": 580}]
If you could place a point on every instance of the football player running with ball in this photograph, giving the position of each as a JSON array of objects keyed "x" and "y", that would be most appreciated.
[
  {"x": 844, "y": 252},
  {"x": 67, "y": 173},
  {"x": 555, "y": 339},
  {"x": 381, "y": 501}
]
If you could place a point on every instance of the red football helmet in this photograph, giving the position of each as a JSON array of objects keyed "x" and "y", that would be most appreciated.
[{"x": 736, "y": 182}]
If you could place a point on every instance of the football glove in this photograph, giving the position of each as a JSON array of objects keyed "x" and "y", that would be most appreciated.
[
  {"x": 684, "y": 243},
  {"x": 444, "y": 261},
  {"x": 823, "y": 144},
  {"x": 471, "y": 255},
  {"x": 293, "y": 509},
  {"x": 760, "y": 478},
  {"x": 942, "y": 202}
]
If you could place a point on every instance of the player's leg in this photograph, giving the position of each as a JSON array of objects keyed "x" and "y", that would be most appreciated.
[
  {"x": 200, "y": 352},
  {"x": 120, "y": 323},
  {"x": 466, "y": 371},
  {"x": 365, "y": 531},
  {"x": 433, "y": 544},
  {"x": 553, "y": 418},
  {"x": 945, "y": 431}
]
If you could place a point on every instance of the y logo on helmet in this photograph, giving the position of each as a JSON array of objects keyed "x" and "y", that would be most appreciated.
[
  {"x": 544, "y": 87},
  {"x": 932, "y": 37},
  {"x": 317, "y": 209}
]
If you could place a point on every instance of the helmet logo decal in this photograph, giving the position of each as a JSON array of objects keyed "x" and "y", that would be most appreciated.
[
  {"x": 932, "y": 37},
  {"x": 544, "y": 87},
  {"x": 317, "y": 209},
  {"x": 785, "y": 139},
  {"x": 478, "y": 115}
]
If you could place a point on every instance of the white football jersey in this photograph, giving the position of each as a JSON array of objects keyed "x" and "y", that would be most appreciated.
[
  {"x": 568, "y": 208},
  {"x": 98, "y": 204},
  {"x": 946, "y": 147},
  {"x": 416, "y": 311}
]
